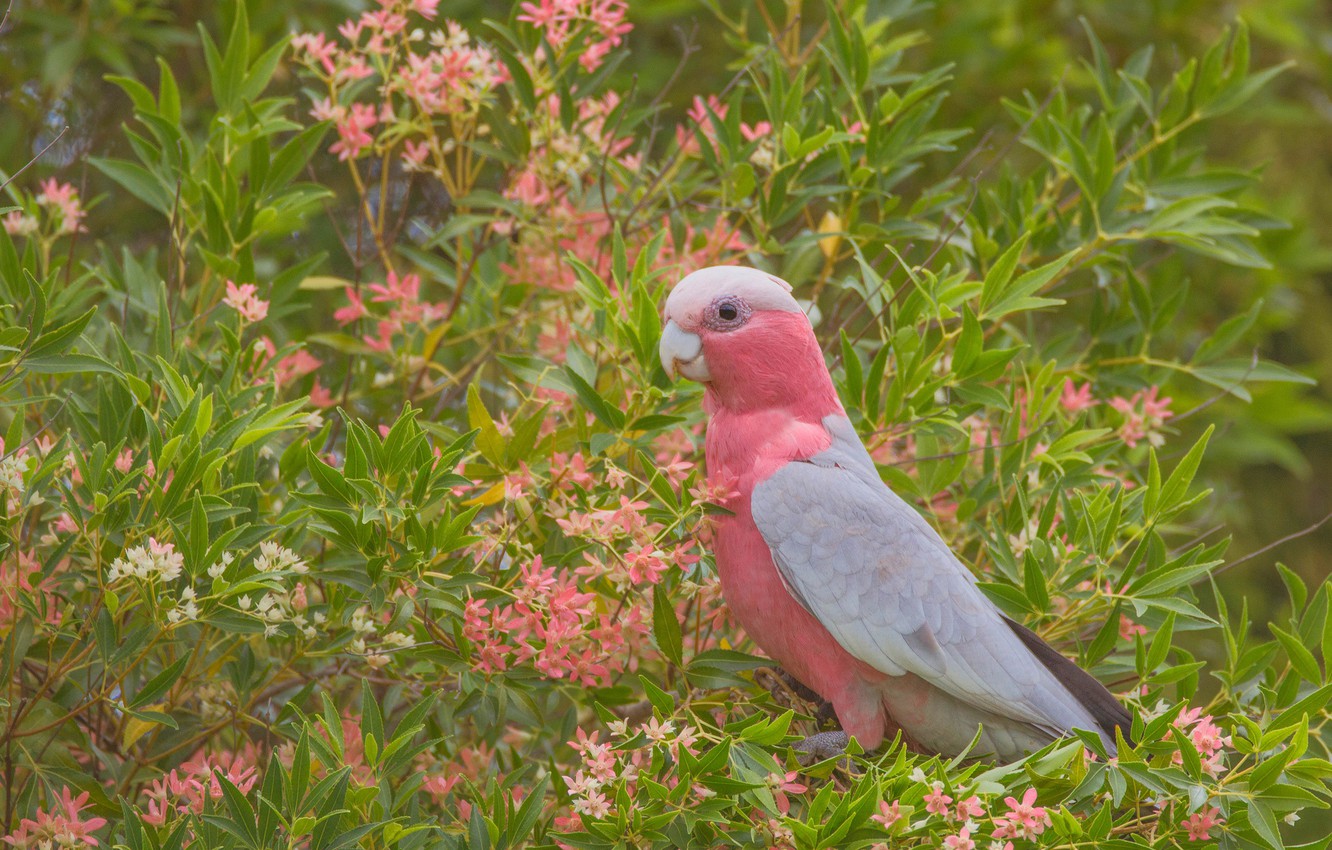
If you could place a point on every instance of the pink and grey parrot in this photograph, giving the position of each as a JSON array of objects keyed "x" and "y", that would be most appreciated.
[{"x": 832, "y": 574}]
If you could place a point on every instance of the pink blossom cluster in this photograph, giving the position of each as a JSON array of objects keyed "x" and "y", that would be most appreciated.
[
  {"x": 457, "y": 76},
  {"x": 452, "y": 77},
  {"x": 1200, "y": 823},
  {"x": 606, "y": 769},
  {"x": 184, "y": 789},
  {"x": 604, "y": 23},
  {"x": 1076, "y": 398},
  {"x": 290, "y": 368},
  {"x": 22, "y": 583},
  {"x": 554, "y": 624},
  {"x": 61, "y": 200},
  {"x": 1144, "y": 416},
  {"x": 556, "y": 191},
  {"x": 245, "y": 300},
  {"x": 406, "y": 310},
  {"x": 1024, "y": 819},
  {"x": 1206, "y": 737},
  {"x": 62, "y": 825}
]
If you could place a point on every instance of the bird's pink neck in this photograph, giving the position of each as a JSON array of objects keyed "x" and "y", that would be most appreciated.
[
  {"x": 776, "y": 365},
  {"x": 767, "y": 407}
]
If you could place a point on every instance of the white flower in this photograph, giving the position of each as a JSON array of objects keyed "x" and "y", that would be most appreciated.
[
  {"x": 273, "y": 556},
  {"x": 244, "y": 603},
  {"x": 12, "y": 471}
]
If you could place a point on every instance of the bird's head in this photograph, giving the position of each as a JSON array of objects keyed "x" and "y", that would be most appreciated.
[{"x": 740, "y": 333}]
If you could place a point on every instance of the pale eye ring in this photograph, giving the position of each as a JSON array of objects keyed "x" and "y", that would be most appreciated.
[{"x": 727, "y": 313}]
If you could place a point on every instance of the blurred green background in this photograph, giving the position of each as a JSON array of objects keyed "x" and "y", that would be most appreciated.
[{"x": 1271, "y": 462}]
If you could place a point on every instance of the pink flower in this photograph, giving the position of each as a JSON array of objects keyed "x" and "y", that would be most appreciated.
[
  {"x": 888, "y": 814},
  {"x": 317, "y": 49},
  {"x": 426, "y": 8},
  {"x": 295, "y": 365},
  {"x": 243, "y": 300},
  {"x": 969, "y": 808},
  {"x": 1024, "y": 819},
  {"x": 1128, "y": 628},
  {"x": 1200, "y": 823},
  {"x": 65, "y": 199},
  {"x": 60, "y": 825},
  {"x": 936, "y": 802},
  {"x": 321, "y": 397},
  {"x": 354, "y": 310},
  {"x": 961, "y": 841},
  {"x": 403, "y": 288},
  {"x": 1144, "y": 416},
  {"x": 17, "y": 223},
  {"x": 1074, "y": 398},
  {"x": 353, "y": 131},
  {"x": 758, "y": 131},
  {"x": 124, "y": 461},
  {"x": 1206, "y": 737},
  {"x": 439, "y": 786},
  {"x": 645, "y": 564},
  {"x": 415, "y": 153},
  {"x": 780, "y": 785}
]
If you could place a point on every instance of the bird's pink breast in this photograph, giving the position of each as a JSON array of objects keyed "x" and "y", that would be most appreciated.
[{"x": 745, "y": 449}]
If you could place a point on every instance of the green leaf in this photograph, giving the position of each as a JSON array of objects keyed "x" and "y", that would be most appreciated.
[
  {"x": 138, "y": 181},
  {"x": 665, "y": 626},
  {"x": 1264, "y": 823},
  {"x": 608, "y": 415},
  {"x": 488, "y": 439},
  {"x": 157, "y": 686},
  {"x": 1177, "y": 485},
  {"x": 56, "y": 340},
  {"x": 68, "y": 364},
  {"x": 292, "y": 157},
  {"x": 1300, "y": 657}
]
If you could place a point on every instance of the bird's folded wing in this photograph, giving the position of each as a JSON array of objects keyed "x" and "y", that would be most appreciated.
[{"x": 887, "y": 587}]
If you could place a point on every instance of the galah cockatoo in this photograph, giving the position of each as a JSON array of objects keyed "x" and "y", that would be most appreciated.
[{"x": 832, "y": 574}]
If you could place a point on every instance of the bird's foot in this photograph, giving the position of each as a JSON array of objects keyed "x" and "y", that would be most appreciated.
[{"x": 821, "y": 747}]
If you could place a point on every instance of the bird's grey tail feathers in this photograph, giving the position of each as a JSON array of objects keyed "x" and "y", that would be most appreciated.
[{"x": 1104, "y": 708}]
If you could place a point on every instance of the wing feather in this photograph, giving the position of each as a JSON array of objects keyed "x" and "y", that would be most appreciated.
[{"x": 887, "y": 587}]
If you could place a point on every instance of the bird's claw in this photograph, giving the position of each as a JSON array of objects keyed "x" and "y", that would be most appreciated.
[{"x": 821, "y": 747}]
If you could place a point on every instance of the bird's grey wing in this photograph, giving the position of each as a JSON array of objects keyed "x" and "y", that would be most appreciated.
[{"x": 887, "y": 587}]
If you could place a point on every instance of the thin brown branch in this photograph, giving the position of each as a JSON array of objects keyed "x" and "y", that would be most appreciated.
[
  {"x": 40, "y": 153},
  {"x": 1304, "y": 532}
]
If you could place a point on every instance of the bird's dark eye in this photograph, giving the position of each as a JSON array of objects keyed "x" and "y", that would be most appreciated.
[{"x": 727, "y": 313}]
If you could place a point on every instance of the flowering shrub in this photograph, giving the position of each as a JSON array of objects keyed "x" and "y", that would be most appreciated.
[{"x": 407, "y": 546}]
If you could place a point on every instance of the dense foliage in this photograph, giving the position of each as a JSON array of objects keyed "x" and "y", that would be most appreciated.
[{"x": 404, "y": 544}]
